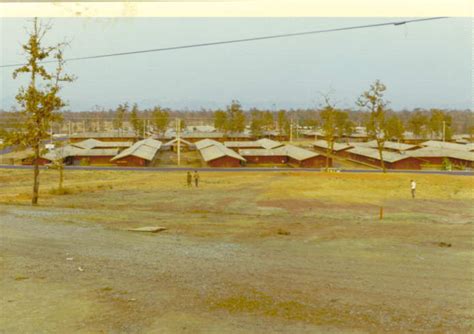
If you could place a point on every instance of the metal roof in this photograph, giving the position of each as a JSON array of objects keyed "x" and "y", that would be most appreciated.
[
  {"x": 393, "y": 145},
  {"x": 95, "y": 152},
  {"x": 62, "y": 152},
  {"x": 374, "y": 154},
  {"x": 218, "y": 151},
  {"x": 269, "y": 143},
  {"x": 295, "y": 152},
  {"x": 173, "y": 141},
  {"x": 261, "y": 152},
  {"x": 448, "y": 145},
  {"x": 429, "y": 152},
  {"x": 93, "y": 143},
  {"x": 263, "y": 143},
  {"x": 145, "y": 149},
  {"x": 205, "y": 143},
  {"x": 246, "y": 143},
  {"x": 336, "y": 146}
]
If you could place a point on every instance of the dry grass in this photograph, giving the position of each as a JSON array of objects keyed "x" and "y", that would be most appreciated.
[{"x": 266, "y": 251}]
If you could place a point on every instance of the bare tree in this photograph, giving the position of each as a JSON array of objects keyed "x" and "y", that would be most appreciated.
[{"x": 328, "y": 117}]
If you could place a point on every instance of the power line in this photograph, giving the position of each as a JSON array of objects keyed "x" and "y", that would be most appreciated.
[{"x": 251, "y": 39}]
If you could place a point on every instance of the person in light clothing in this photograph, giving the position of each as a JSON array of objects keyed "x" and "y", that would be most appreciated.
[{"x": 413, "y": 188}]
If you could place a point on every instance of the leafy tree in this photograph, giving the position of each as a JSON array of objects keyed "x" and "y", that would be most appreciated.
[
  {"x": 136, "y": 122},
  {"x": 344, "y": 126},
  {"x": 260, "y": 121},
  {"x": 235, "y": 117},
  {"x": 120, "y": 114},
  {"x": 283, "y": 122},
  {"x": 40, "y": 101},
  {"x": 373, "y": 101},
  {"x": 438, "y": 118},
  {"x": 220, "y": 120},
  {"x": 160, "y": 119},
  {"x": 395, "y": 128},
  {"x": 182, "y": 124},
  {"x": 417, "y": 123}
]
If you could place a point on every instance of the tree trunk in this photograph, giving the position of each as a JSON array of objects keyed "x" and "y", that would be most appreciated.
[
  {"x": 34, "y": 199},
  {"x": 382, "y": 163},
  {"x": 61, "y": 177}
]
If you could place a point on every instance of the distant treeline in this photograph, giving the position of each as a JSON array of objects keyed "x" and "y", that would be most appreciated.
[{"x": 418, "y": 121}]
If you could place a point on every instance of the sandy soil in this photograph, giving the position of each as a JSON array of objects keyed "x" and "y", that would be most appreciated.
[{"x": 244, "y": 253}]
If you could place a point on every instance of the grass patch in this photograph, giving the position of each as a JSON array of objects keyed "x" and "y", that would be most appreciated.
[{"x": 60, "y": 191}]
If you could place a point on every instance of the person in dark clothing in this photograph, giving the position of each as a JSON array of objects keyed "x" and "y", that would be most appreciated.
[
  {"x": 196, "y": 178},
  {"x": 189, "y": 179}
]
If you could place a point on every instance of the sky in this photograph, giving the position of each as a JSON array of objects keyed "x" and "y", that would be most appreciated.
[{"x": 423, "y": 65}]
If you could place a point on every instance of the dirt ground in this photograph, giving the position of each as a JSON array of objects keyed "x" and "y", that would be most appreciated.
[{"x": 275, "y": 252}]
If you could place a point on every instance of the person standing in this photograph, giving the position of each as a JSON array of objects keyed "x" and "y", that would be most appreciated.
[
  {"x": 413, "y": 188},
  {"x": 196, "y": 178},
  {"x": 189, "y": 179}
]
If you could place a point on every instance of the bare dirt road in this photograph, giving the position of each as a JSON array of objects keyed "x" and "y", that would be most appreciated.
[{"x": 240, "y": 255}]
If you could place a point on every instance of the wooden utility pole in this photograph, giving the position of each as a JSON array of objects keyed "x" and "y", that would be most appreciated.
[
  {"x": 291, "y": 131},
  {"x": 444, "y": 130},
  {"x": 178, "y": 140}
]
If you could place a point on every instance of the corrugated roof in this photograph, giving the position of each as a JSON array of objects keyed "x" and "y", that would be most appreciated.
[
  {"x": 296, "y": 153},
  {"x": 217, "y": 151},
  {"x": 183, "y": 141},
  {"x": 429, "y": 152},
  {"x": 263, "y": 143},
  {"x": 236, "y": 144},
  {"x": 374, "y": 154},
  {"x": 336, "y": 146},
  {"x": 145, "y": 149},
  {"x": 261, "y": 152},
  {"x": 95, "y": 152},
  {"x": 393, "y": 145},
  {"x": 269, "y": 143},
  {"x": 447, "y": 145},
  {"x": 205, "y": 143},
  {"x": 62, "y": 152},
  {"x": 93, "y": 143}
]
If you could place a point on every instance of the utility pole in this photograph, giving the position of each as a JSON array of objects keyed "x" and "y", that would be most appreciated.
[
  {"x": 178, "y": 139},
  {"x": 444, "y": 130},
  {"x": 297, "y": 129},
  {"x": 291, "y": 130}
]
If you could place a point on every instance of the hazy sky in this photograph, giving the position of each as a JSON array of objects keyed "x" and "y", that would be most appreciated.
[{"x": 423, "y": 64}]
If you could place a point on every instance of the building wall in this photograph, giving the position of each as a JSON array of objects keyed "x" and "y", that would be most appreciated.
[
  {"x": 409, "y": 163},
  {"x": 315, "y": 162},
  {"x": 272, "y": 159},
  {"x": 236, "y": 149},
  {"x": 30, "y": 161},
  {"x": 323, "y": 150},
  {"x": 92, "y": 160},
  {"x": 224, "y": 162},
  {"x": 459, "y": 162},
  {"x": 132, "y": 161}
]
